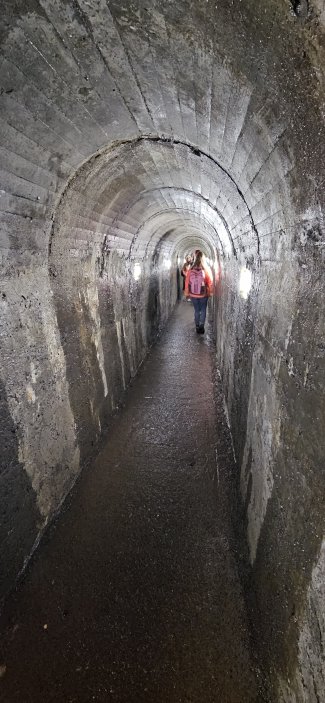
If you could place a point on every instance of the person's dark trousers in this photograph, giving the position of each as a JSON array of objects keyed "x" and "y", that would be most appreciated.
[{"x": 200, "y": 310}]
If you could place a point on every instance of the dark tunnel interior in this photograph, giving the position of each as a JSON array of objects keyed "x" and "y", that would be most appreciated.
[{"x": 131, "y": 134}]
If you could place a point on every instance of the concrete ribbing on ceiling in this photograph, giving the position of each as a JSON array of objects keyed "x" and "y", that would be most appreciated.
[
  {"x": 126, "y": 211},
  {"x": 128, "y": 135}
]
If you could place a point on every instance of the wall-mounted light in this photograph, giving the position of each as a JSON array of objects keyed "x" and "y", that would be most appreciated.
[
  {"x": 136, "y": 271},
  {"x": 167, "y": 264},
  {"x": 245, "y": 282}
]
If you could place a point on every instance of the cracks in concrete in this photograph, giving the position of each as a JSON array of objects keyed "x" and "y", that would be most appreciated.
[
  {"x": 300, "y": 8},
  {"x": 133, "y": 73}
]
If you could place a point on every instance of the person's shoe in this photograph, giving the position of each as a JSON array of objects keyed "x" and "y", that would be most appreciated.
[
  {"x": 198, "y": 329},
  {"x": 201, "y": 329}
]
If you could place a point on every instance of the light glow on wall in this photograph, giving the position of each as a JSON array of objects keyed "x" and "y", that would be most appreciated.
[
  {"x": 245, "y": 282},
  {"x": 137, "y": 271}
]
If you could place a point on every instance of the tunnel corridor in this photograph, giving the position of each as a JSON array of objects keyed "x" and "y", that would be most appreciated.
[
  {"x": 131, "y": 134},
  {"x": 137, "y": 590}
]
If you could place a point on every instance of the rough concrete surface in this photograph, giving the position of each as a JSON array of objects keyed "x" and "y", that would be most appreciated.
[
  {"x": 130, "y": 134},
  {"x": 135, "y": 594}
]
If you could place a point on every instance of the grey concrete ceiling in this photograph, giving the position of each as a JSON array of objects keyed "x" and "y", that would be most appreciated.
[{"x": 201, "y": 111}]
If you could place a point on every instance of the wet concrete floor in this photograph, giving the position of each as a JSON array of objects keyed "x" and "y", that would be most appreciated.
[{"x": 134, "y": 594}]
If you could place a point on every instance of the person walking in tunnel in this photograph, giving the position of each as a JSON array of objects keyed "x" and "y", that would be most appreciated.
[
  {"x": 198, "y": 288},
  {"x": 185, "y": 268}
]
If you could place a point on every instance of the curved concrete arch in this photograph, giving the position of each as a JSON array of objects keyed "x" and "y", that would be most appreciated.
[
  {"x": 113, "y": 152},
  {"x": 164, "y": 216},
  {"x": 100, "y": 105},
  {"x": 149, "y": 193},
  {"x": 178, "y": 232},
  {"x": 193, "y": 197},
  {"x": 199, "y": 234},
  {"x": 187, "y": 243}
]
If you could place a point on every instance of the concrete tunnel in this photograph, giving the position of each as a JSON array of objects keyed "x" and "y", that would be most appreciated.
[{"x": 132, "y": 133}]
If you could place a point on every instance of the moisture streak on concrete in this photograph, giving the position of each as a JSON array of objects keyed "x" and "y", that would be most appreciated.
[{"x": 134, "y": 594}]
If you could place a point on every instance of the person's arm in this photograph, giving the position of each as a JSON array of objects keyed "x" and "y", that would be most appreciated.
[{"x": 187, "y": 281}]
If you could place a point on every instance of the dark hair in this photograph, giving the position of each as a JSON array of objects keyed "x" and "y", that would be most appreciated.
[{"x": 198, "y": 259}]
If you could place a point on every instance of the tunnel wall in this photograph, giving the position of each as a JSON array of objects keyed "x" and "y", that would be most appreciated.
[
  {"x": 272, "y": 367},
  {"x": 108, "y": 317},
  {"x": 74, "y": 333}
]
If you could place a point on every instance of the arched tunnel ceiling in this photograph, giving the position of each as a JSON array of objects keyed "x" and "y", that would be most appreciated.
[
  {"x": 124, "y": 108},
  {"x": 129, "y": 193}
]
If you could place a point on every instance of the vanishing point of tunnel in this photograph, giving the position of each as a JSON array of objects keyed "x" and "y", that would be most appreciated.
[{"x": 162, "y": 505}]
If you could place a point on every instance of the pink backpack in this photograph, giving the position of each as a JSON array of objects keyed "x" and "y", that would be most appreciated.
[{"x": 196, "y": 283}]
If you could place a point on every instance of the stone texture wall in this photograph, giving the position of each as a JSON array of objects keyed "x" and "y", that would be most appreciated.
[
  {"x": 128, "y": 134},
  {"x": 73, "y": 334},
  {"x": 272, "y": 370}
]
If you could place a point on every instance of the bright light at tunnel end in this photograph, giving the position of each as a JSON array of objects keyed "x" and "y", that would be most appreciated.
[{"x": 245, "y": 282}]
